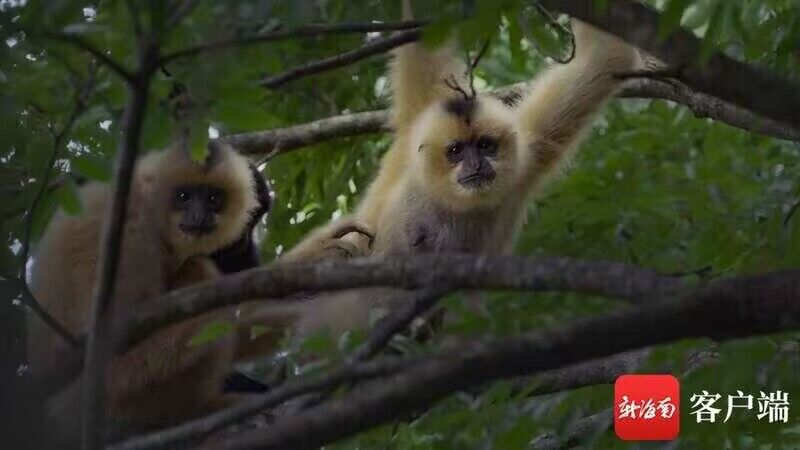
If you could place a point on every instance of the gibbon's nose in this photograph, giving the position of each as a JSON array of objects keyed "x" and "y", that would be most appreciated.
[{"x": 196, "y": 223}]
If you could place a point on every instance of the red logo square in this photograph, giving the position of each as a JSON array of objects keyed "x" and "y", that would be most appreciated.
[{"x": 647, "y": 407}]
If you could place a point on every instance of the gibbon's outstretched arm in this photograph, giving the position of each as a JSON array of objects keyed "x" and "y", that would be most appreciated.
[{"x": 562, "y": 102}]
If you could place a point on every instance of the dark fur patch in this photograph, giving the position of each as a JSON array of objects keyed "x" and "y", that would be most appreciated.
[
  {"x": 214, "y": 156},
  {"x": 511, "y": 99},
  {"x": 462, "y": 108}
]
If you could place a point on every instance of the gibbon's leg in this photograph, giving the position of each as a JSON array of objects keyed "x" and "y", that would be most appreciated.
[
  {"x": 162, "y": 381},
  {"x": 563, "y": 101}
]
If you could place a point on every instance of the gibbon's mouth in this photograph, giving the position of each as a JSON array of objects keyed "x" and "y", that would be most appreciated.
[
  {"x": 476, "y": 180},
  {"x": 196, "y": 230}
]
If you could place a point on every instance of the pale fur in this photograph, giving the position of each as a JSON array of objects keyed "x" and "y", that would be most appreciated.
[
  {"x": 163, "y": 379},
  {"x": 416, "y": 194}
]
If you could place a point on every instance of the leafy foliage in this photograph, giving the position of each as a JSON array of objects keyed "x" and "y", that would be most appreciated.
[{"x": 653, "y": 185}]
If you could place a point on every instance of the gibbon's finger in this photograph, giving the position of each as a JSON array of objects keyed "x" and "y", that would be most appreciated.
[{"x": 349, "y": 248}]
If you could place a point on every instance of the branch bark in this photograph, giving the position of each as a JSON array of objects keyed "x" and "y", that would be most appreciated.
[
  {"x": 615, "y": 280},
  {"x": 271, "y": 143},
  {"x": 729, "y": 309},
  {"x": 757, "y": 90},
  {"x": 378, "y": 46}
]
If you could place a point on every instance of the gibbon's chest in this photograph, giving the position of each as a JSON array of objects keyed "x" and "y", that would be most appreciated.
[{"x": 429, "y": 228}]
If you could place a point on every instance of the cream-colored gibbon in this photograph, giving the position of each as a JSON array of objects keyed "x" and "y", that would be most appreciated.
[{"x": 464, "y": 166}]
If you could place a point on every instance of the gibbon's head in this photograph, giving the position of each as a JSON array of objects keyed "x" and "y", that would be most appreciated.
[
  {"x": 465, "y": 152},
  {"x": 207, "y": 204}
]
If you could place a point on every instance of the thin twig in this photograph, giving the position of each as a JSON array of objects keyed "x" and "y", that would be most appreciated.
[
  {"x": 81, "y": 99},
  {"x": 375, "y": 47},
  {"x": 101, "y": 56},
  {"x": 307, "y": 31}
]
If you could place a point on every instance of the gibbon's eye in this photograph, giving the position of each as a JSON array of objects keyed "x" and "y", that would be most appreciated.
[
  {"x": 182, "y": 196},
  {"x": 487, "y": 146},
  {"x": 454, "y": 151}
]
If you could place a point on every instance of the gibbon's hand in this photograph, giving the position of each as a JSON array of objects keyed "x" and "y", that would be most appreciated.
[{"x": 337, "y": 245}]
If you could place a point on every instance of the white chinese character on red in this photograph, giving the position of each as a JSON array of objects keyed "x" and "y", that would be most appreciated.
[
  {"x": 666, "y": 408},
  {"x": 628, "y": 408},
  {"x": 704, "y": 411},
  {"x": 738, "y": 401},
  {"x": 648, "y": 409},
  {"x": 774, "y": 406}
]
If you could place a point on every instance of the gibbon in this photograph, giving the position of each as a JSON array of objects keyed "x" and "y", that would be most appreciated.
[
  {"x": 243, "y": 254},
  {"x": 179, "y": 213},
  {"x": 464, "y": 166}
]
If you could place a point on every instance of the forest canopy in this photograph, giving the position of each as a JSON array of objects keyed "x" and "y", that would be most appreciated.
[{"x": 690, "y": 179}]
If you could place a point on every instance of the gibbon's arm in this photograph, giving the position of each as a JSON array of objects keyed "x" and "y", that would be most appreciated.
[
  {"x": 418, "y": 77},
  {"x": 564, "y": 100},
  {"x": 326, "y": 242}
]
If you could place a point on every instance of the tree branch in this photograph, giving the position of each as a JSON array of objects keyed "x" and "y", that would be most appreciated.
[
  {"x": 271, "y": 143},
  {"x": 729, "y": 309},
  {"x": 307, "y": 31},
  {"x": 757, "y": 90},
  {"x": 101, "y": 57},
  {"x": 375, "y": 47},
  {"x": 707, "y": 106},
  {"x": 97, "y": 348},
  {"x": 615, "y": 280},
  {"x": 81, "y": 98}
]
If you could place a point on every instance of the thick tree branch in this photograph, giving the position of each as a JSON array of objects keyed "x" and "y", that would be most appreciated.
[
  {"x": 615, "y": 280},
  {"x": 97, "y": 348},
  {"x": 707, "y": 106},
  {"x": 307, "y": 31},
  {"x": 729, "y": 309},
  {"x": 757, "y": 90},
  {"x": 375, "y": 47}
]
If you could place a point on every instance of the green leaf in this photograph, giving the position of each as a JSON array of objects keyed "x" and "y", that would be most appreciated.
[
  {"x": 671, "y": 17},
  {"x": 93, "y": 168},
  {"x": 68, "y": 197},
  {"x": 211, "y": 333}
]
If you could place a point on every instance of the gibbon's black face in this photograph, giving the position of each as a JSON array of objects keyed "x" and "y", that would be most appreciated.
[
  {"x": 199, "y": 206},
  {"x": 472, "y": 157}
]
